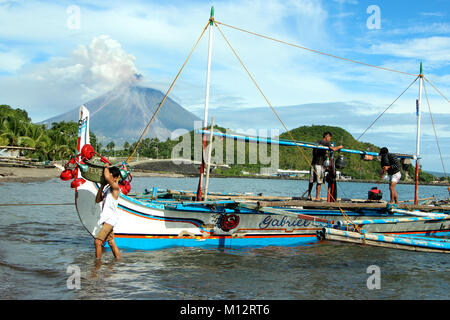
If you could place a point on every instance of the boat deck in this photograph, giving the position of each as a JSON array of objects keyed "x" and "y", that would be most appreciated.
[{"x": 189, "y": 198}]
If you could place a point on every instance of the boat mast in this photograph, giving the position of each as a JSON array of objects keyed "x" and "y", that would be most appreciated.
[
  {"x": 205, "y": 119},
  {"x": 418, "y": 107}
]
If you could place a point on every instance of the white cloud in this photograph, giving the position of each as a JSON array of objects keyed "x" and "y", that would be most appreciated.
[
  {"x": 11, "y": 61},
  {"x": 432, "y": 49},
  {"x": 433, "y": 28},
  {"x": 63, "y": 83}
]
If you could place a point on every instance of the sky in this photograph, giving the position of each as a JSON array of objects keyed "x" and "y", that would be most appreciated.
[{"x": 57, "y": 55}]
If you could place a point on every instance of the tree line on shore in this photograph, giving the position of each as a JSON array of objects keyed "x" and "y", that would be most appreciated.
[
  {"x": 59, "y": 142},
  {"x": 55, "y": 143}
]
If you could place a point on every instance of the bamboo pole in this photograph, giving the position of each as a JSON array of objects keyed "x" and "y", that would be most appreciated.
[
  {"x": 419, "y": 112},
  {"x": 209, "y": 160},
  {"x": 350, "y": 206},
  {"x": 396, "y": 242},
  {"x": 205, "y": 117}
]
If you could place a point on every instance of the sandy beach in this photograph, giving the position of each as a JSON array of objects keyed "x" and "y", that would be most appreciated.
[{"x": 24, "y": 174}]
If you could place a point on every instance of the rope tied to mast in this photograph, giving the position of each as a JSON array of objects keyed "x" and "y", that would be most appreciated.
[
  {"x": 314, "y": 51},
  {"x": 379, "y": 116},
  {"x": 435, "y": 135},
  {"x": 346, "y": 217},
  {"x": 166, "y": 95}
]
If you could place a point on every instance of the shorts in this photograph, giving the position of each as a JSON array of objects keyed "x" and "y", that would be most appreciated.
[
  {"x": 106, "y": 233},
  {"x": 395, "y": 177},
  {"x": 316, "y": 173}
]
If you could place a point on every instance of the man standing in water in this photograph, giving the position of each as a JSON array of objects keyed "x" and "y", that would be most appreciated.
[
  {"x": 109, "y": 215},
  {"x": 391, "y": 165},
  {"x": 317, "y": 170}
]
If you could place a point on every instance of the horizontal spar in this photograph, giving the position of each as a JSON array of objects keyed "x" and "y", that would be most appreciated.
[
  {"x": 349, "y": 205},
  {"x": 393, "y": 220},
  {"x": 296, "y": 143}
]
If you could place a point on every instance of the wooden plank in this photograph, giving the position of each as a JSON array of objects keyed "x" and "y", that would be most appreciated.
[
  {"x": 17, "y": 148},
  {"x": 321, "y": 204},
  {"x": 6, "y": 158},
  {"x": 347, "y": 205},
  {"x": 227, "y": 196},
  {"x": 277, "y": 201}
]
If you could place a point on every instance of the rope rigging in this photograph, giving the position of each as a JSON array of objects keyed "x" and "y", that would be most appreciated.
[
  {"x": 165, "y": 96},
  {"x": 346, "y": 217},
  {"x": 379, "y": 116},
  {"x": 212, "y": 22},
  {"x": 315, "y": 51},
  {"x": 437, "y": 90},
  {"x": 435, "y": 134}
]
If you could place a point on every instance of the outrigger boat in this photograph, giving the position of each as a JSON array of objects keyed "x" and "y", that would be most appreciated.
[{"x": 168, "y": 218}]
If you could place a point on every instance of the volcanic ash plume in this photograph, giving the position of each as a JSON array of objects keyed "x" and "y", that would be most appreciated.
[{"x": 104, "y": 65}]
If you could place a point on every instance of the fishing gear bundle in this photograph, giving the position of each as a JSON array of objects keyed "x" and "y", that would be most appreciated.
[{"x": 93, "y": 169}]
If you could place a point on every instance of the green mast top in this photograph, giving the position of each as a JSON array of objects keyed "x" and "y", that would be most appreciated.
[
  {"x": 211, "y": 19},
  {"x": 421, "y": 70}
]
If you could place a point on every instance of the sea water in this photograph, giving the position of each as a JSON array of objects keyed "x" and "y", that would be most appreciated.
[{"x": 45, "y": 253}]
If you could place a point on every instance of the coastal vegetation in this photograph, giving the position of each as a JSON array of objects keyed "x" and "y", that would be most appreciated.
[
  {"x": 55, "y": 143},
  {"x": 59, "y": 142}
]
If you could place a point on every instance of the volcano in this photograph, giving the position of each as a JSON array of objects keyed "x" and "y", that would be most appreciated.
[{"x": 123, "y": 113}]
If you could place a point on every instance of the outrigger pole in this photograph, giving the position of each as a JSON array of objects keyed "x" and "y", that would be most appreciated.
[
  {"x": 290, "y": 143},
  {"x": 418, "y": 110},
  {"x": 205, "y": 119}
]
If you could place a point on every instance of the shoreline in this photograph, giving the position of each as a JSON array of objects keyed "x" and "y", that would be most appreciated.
[{"x": 36, "y": 174}]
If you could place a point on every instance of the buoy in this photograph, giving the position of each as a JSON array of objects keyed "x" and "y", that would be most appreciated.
[
  {"x": 66, "y": 175},
  {"x": 77, "y": 182},
  {"x": 87, "y": 152},
  {"x": 125, "y": 187}
]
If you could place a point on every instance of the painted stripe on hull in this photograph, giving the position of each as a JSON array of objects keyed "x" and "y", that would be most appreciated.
[
  {"x": 156, "y": 242},
  {"x": 162, "y": 242}
]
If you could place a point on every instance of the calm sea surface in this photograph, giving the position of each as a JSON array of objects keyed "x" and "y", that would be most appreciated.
[{"x": 41, "y": 246}]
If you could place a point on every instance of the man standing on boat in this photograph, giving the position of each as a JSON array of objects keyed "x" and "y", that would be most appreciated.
[
  {"x": 109, "y": 215},
  {"x": 317, "y": 170},
  {"x": 391, "y": 165}
]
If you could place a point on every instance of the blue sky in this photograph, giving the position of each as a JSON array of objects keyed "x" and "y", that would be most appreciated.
[{"x": 55, "y": 56}]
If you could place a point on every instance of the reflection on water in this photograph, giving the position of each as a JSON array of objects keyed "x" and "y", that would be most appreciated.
[{"x": 38, "y": 244}]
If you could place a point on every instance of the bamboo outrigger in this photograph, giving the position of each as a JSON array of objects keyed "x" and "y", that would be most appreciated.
[{"x": 412, "y": 243}]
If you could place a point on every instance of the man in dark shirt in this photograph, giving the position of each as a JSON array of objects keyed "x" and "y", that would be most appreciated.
[
  {"x": 317, "y": 170},
  {"x": 391, "y": 165}
]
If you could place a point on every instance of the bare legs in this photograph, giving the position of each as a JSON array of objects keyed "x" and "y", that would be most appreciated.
[
  {"x": 99, "y": 248},
  {"x": 318, "y": 187},
  {"x": 393, "y": 192}
]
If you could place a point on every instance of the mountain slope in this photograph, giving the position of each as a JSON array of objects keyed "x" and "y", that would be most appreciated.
[{"x": 123, "y": 113}]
